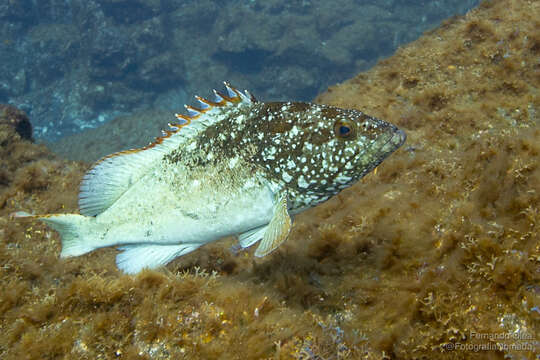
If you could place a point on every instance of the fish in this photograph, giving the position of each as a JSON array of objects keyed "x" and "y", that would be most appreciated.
[{"x": 230, "y": 166}]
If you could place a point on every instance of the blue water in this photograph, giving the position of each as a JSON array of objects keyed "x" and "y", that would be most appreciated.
[{"x": 75, "y": 64}]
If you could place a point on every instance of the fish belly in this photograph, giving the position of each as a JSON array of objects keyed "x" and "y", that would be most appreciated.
[{"x": 190, "y": 220}]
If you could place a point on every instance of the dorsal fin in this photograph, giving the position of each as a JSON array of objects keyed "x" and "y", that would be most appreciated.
[{"x": 114, "y": 174}]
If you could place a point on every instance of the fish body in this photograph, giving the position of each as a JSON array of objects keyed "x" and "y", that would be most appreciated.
[{"x": 232, "y": 166}]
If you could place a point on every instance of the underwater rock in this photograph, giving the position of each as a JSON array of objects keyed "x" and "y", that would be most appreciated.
[
  {"x": 51, "y": 45},
  {"x": 123, "y": 132},
  {"x": 139, "y": 10},
  {"x": 27, "y": 173},
  {"x": 426, "y": 258},
  {"x": 10, "y": 115},
  {"x": 142, "y": 49}
]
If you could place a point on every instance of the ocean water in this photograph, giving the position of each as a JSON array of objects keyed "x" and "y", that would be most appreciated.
[{"x": 76, "y": 64}]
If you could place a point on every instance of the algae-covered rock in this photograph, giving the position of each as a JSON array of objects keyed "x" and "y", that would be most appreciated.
[
  {"x": 16, "y": 119},
  {"x": 436, "y": 255}
]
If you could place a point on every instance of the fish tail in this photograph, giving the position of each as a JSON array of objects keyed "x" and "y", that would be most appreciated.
[{"x": 75, "y": 231}]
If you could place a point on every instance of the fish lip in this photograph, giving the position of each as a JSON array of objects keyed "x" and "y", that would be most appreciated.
[
  {"x": 398, "y": 138},
  {"x": 394, "y": 142}
]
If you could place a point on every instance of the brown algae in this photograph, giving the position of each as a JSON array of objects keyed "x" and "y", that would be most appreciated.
[{"x": 440, "y": 244}]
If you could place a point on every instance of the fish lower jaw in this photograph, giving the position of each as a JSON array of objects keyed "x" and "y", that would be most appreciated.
[{"x": 398, "y": 138}]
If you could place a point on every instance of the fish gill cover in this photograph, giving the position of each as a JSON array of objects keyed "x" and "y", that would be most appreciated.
[{"x": 435, "y": 256}]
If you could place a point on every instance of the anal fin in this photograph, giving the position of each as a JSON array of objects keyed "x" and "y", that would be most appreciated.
[
  {"x": 277, "y": 230},
  {"x": 134, "y": 258}
]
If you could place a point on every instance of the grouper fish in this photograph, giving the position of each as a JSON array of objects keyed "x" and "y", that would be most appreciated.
[{"x": 230, "y": 166}]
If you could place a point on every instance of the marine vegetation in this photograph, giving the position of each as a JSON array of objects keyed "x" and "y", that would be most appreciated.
[{"x": 435, "y": 255}]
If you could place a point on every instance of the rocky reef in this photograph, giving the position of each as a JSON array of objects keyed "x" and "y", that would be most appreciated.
[
  {"x": 77, "y": 64},
  {"x": 436, "y": 255},
  {"x": 16, "y": 119}
]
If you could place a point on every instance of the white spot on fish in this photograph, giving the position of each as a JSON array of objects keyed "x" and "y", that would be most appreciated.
[
  {"x": 343, "y": 179},
  {"x": 291, "y": 164},
  {"x": 233, "y": 162},
  {"x": 286, "y": 177},
  {"x": 302, "y": 182}
]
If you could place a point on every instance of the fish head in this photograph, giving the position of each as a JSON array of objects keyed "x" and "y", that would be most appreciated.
[
  {"x": 344, "y": 145},
  {"x": 324, "y": 149}
]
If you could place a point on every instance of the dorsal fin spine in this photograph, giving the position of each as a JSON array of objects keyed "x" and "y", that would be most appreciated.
[
  {"x": 218, "y": 98},
  {"x": 205, "y": 104},
  {"x": 252, "y": 98},
  {"x": 192, "y": 112},
  {"x": 245, "y": 97},
  {"x": 231, "y": 92},
  {"x": 183, "y": 117}
]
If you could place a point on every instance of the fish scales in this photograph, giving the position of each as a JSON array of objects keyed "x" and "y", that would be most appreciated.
[{"x": 233, "y": 166}]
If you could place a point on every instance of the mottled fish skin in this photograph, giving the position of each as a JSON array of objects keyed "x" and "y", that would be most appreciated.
[
  {"x": 296, "y": 146},
  {"x": 233, "y": 166}
]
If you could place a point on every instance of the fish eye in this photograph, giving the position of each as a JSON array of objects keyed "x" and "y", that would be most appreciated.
[{"x": 344, "y": 129}]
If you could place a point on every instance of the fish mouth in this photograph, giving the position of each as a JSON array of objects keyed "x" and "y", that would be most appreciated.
[
  {"x": 393, "y": 143},
  {"x": 398, "y": 138},
  {"x": 376, "y": 155}
]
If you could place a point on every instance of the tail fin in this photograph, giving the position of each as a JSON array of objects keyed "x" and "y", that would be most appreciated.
[{"x": 74, "y": 229}]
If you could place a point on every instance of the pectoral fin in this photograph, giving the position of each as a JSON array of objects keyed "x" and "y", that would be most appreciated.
[
  {"x": 278, "y": 229},
  {"x": 250, "y": 237}
]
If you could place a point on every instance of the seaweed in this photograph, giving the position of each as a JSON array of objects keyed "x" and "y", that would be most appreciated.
[{"x": 440, "y": 244}]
